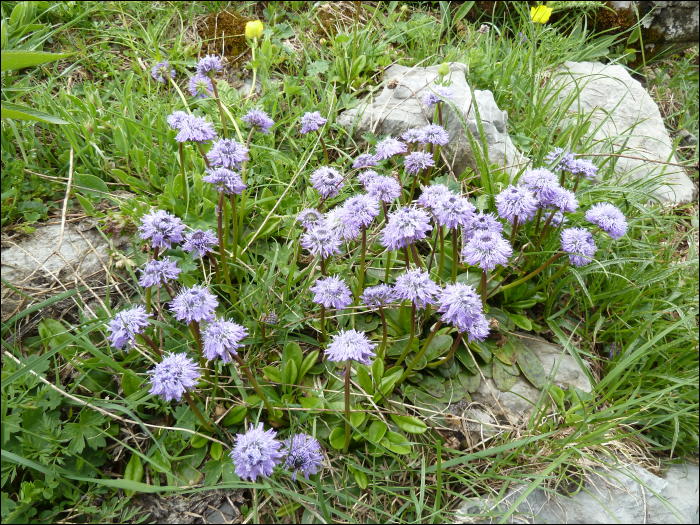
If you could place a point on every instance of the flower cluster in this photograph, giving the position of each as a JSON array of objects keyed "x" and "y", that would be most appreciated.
[
  {"x": 327, "y": 182},
  {"x": 126, "y": 325},
  {"x": 161, "y": 72},
  {"x": 461, "y": 306},
  {"x": 332, "y": 292},
  {"x": 158, "y": 271},
  {"x": 200, "y": 241},
  {"x": 416, "y": 286},
  {"x": 350, "y": 345},
  {"x": 312, "y": 122},
  {"x": 405, "y": 226},
  {"x": 227, "y": 153},
  {"x": 173, "y": 376},
  {"x": 161, "y": 228},
  {"x": 221, "y": 339},
  {"x": 225, "y": 180}
]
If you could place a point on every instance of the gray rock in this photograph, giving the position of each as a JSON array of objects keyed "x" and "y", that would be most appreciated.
[
  {"x": 519, "y": 402},
  {"x": 611, "y": 493},
  {"x": 226, "y": 513},
  {"x": 687, "y": 138},
  {"x": 624, "y": 120},
  {"x": 396, "y": 110}
]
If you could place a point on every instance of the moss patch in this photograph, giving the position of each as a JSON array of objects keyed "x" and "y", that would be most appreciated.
[{"x": 225, "y": 30}]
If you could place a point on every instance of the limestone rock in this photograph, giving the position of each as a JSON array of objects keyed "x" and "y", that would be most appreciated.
[
  {"x": 611, "y": 494},
  {"x": 624, "y": 120},
  {"x": 399, "y": 107}
]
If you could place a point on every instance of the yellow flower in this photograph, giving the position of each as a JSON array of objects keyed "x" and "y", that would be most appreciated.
[
  {"x": 254, "y": 29},
  {"x": 540, "y": 14}
]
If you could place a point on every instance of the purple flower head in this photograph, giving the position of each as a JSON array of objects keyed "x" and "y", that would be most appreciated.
[
  {"x": 461, "y": 306},
  {"x": 432, "y": 195},
  {"x": 303, "y": 455},
  {"x": 161, "y": 228},
  {"x": 156, "y": 272},
  {"x": 583, "y": 167},
  {"x": 366, "y": 160},
  {"x": 312, "y": 122},
  {"x": 516, "y": 203},
  {"x": 350, "y": 345},
  {"x": 200, "y": 86},
  {"x": 542, "y": 182},
  {"x": 173, "y": 376},
  {"x": 562, "y": 199},
  {"x": 434, "y": 134},
  {"x": 161, "y": 71},
  {"x": 380, "y": 295},
  {"x": 194, "y": 304},
  {"x": 310, "y": 218},
  {"x": 177, "y": 119},
  {"x": 227, "y": 153},
  {"x": 258, "y": 119},
  {"x": 366, "y": 177},
  {"x": 416, "y": 286},
  {"x": 327, "y": 182},
  {"x": 386, "y": 189},
  {"x": 558, "y": 219},
  {"x": 388, "y": 148},
  {"x": 579, "y": 244},
  {"x": 453, "y": 211},
  {"x": 345, "y": 230},
  {"x": 417, "y": 161},
  {"x": 331, "y": 292},
  {"x": 430, "y": 99},
  {"x": 404, "y": 226},
  {"x": 256, "y": 453},
  {"x": 483, "y": 222},
  {"x": 359, "y": 210},
  {"x": 126, "y": 324},
  {"x": 413, "y": 136},
  {"x": 196, "y": 129},
  {"x": 200, "y": 241},
  {"x": 560, "y": 158},
  {"x": 321, "y": 239},
  {"x": 486, "y": 250},
  {"x": 609, "y": 218},
  {"x": 209, "y": 65},
  {"x": 221, "y": 339},
  {"x": 225, "y": 180}
]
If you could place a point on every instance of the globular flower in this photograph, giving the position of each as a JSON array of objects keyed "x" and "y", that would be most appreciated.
[
  {"x": 312, "y": 122},
  {"x": 453, "y": 211},
  {"x": 221, "y": 339},
  {"x": 562, "y": 199},
  {"x": 432, "y": 195},
  {"x": 195, "y": 129},
  {"x": 516, "y": 203},
  {"x": 126, "y": 325},
  {"x": 558, "y": 219},
  {"x": 379, "y": 295},
  {"x": 200, "y": 86},
  {"x": 161, "y": 71},
  {"x": 366, "y": 177},
  {"x": 609, "y": 218},
  {"x": 366, "y": 160},
  {"x": 256, "y": 452},
  {"x": 158, "y": 271},
  {"x": 359, "y": 210},
  {"x": 161, "y": 228},
  {"x": 171, "y": 378},
  {"x": 389, "y": 147},
  {"x": 543, "y": 183},
  {"x": 540, "y": 14},
  {"x": 194, "y": 304},
  {"x": 486, "y": 250},
  {"x": 562, "y": 158},
  {"x": 227, "y": 153},
  {"x": 430, "y": 98},
  {"x": 331, "y": 292},
  {"x": 177, "y": 119},
  {"x": 461, "y": 306},
  {"x": 435, "y": 134},
  {"x": 350, "y": 345},
  {"x": 209, "y": 65},
  {"x": 200, "y": 241},
  {"x": 310, "y": 218},
  {"x": 386, "y": 189},
  {"x": 303, "y": 455},
  {"x": 412, "y": 136},
  {"x": 254, "y": 29},
  {"x": 321, "y": 239},
  {"x": 404, "y": 226},
  {"x": 259, "y": 120},
  {"x": 327, "y": 182},
  {"x": 584, "y": 167},
  {"x": 225, "y": 180},
  {"x": 483, "y": 222},
  {"x": 345, "y": 230},
  {"x": 579, "y": 244},
  {"x": 416, "y": 286},
  {"x": 417, "y": 161}
]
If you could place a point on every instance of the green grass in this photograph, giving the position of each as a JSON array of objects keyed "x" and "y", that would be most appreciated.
[{"x": 77, "y": 417}]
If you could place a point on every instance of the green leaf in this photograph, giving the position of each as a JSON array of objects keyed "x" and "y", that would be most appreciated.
[
  {"x": 377, "y": 370},
  {"x": 470, "y": 382},
  {"x": 87, "y": 430},
  {"x": 530, "y": 366},
  {"x": 90, "y": 182},
  {"x": 432, "y": 386},
  {"x": 396, "y": 443},
  {"x": 293, "y": 351},
  {"x": 439, "y": 345},
  {"x": 159, "y": 463},
  {"x": 235, "y": 416},
  {"x": 410, "y": 424},
  {"x": 635, "y": 35},
  {"x": 521, "y": 321},
  {"x": 360, "y": 477},
  {"x": 507, "y": 353},
  {"x": 310, "y": 402},
  {"x": 337, "y": 437},
  {"x": 376, "y": 431},
  {"x": 198, "y": 441},
  {"x": 287, "y": 510},
  {"x": 18, "y": 59},
  {"x": 307, "y": 363},
  {"x": 504, "y": 381},
  {"x": 133, "y": 472},
  {"x": 87, "y": 205},
  {"x": 364, "y": 379},
  {"x": 19, "y": 112},
  {"x": 130, "y": 383},
  {"x": 216, "y": 450},
  {"x": 273, "y": 374},
  {"x": 290, "y": 373}
]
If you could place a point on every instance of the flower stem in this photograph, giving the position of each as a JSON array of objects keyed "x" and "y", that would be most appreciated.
[
  {"x": 442, "y": 251},
  {"x": 382, "y": 349},
  {"x": 150, "y": 343},
  {"x": 348, "y": 430},
  {"x": 529, "y": 276},
  {"x": 194, "y": 328},
  {"x": 483, "y": 286},
  {"x": 196, "y": 411},
  {"x": 221, "y": 109},
  {"x": 449, "y": 355},
  {"x": 255, "y": 385},
  {"x": 222, "y": 249},
  {"x": 234, "y": 253},
  {"x": 213, "y": 262},
  {"x": 325, "y": 150},
  {"x": 361, "y": 277},
  {"x": 148, "y": 300},
  {"x": 434, "y": 248},
  {"x": 405, "y": 256},
  {"x": 411, "y": 336},
  {"x": 420, "y": 354},
  {"x": 413, "y": 188},
  {"x": 204, "y": 155},
  {"x": 416, "y": 257},
  {"x": 514, "y": 230},
  {"x": 455, "y": 255},
  {"x": 545, "y": 283},
  {"x": 387, "y": 270},
  {"x": 255, "y": 69},
  {"x": 184, "y": 176},
  {"x": 324, "y": 338},
  {"x": 539, "y": 218}
]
